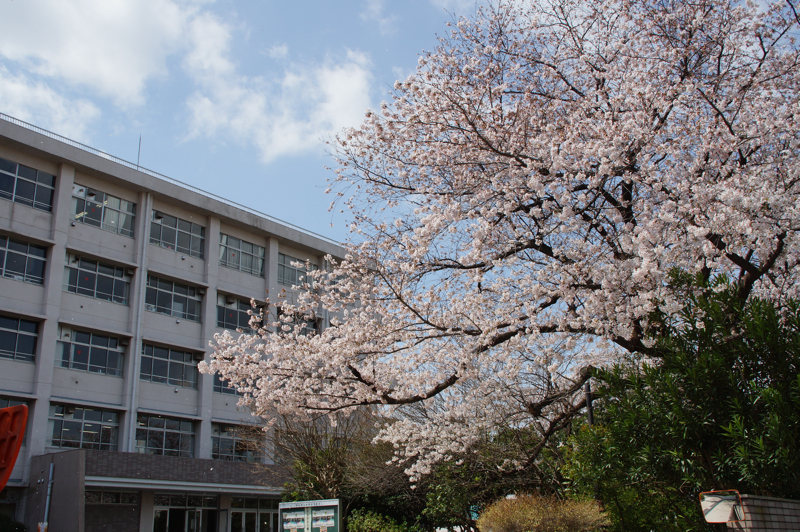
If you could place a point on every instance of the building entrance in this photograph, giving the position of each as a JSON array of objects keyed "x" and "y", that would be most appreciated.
[
  {"x": 182, "y": 513},
  {"x": 254, "y": 521}
]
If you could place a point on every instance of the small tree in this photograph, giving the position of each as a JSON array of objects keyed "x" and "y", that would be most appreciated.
[{"x": 718, "y": 409}]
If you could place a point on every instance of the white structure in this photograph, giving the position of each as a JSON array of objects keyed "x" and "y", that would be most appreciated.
[{"x": 113, "y": 279}]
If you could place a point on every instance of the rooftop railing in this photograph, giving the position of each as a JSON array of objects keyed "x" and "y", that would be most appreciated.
[{"x": 123, "y": 162}]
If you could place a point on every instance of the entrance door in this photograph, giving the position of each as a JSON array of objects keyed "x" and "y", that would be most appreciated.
[
  {"x": 268, "y": 521},
  {"x": 244, "y": 521}
]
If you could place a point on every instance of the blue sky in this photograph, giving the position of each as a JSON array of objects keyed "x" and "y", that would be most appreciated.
[{"x": 234, "y": 97}]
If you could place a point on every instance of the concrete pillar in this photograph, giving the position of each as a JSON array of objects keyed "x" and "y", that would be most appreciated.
[
  {"x": 48, "y": 330},
  {"x": 206, "y": 382},
  {"x": 132, "y": 363}
]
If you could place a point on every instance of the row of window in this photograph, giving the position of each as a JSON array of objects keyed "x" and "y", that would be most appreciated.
[
  {"x": 81, "y": 427},
  {"x": 90, "y": 206}
]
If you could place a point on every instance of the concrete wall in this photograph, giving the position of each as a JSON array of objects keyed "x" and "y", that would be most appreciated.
[
  {"x": 768, "y": 514},
  {"x": 66, "y": 501}
]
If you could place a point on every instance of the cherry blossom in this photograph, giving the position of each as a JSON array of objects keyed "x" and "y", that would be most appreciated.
[{"x": 519, "y": 205}]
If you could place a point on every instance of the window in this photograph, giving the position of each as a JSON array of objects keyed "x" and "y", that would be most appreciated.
[
  {"x": 232, "y": 313},
  {"x": 18, "y": 338},
  {"x": 169, "y": 366},
  {"x": 221, "y": 386},
  {"x": 164, "y": 435},
  {"x": 176, "y": 234},
  {"x": 291, "y": 275},
  {"x": 232, "y": 443},
  {"x": 92, "y": 352},
  {"x": 111, "y": 497},
  {"x": 100, "y": 280},
  {"x": 82, "y": 427},
  {"x": 103, "y": 210},
  {"x": 172, "y": 298},
  {"x": 27, "y": 186},
  {"x": 182, "y": 500},
  {"x": 22, "y": 261},
  {"x": 240, "y": 255}
]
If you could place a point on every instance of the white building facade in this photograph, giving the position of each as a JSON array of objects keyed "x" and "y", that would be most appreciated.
[{"x": 113, "y": 280}]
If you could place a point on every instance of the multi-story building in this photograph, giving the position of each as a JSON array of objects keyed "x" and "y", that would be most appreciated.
[{"x": 113, "y": 280}]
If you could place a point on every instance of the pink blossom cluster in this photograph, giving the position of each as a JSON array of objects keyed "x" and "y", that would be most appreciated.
[{"x": 518, "y": 207}]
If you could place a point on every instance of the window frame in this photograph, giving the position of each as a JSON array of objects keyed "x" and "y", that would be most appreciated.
[
  {"x": 195, "y": 232},
  {"x": 54, "y": 420},
  {"x": 105, "y": 202},
  {"x": 240, "y": 308},
  {"x": 151, "y": 422},
  {"x": 75, "y": 263},
  {"x": 5, "y": 331},
  {"x": 241, "y": 450},
  {"x": 229, "y": 246},
  {"x": 157, "y": 286},
  {"x": 39, "y": 181},
  {"x": 285, "y": 265},
  {"x": 223, "y": 387},
  {"x": 75, "y": 340},
  {"x": 187, "y": 379},
  {"x": 40, "y": 256}
]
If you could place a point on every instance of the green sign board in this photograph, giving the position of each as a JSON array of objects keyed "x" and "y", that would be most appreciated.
[{"x": 310, "y": 516}]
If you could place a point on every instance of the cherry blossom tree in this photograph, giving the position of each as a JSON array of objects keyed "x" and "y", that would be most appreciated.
[{"x": 519, "y": 204}]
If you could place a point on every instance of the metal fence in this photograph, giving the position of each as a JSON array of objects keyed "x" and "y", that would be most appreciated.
[{"x": 84, "y": 147}]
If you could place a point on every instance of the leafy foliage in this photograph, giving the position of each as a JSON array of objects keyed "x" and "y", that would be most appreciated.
[
  {"x": 532, "y": 513},
  {"x": 719, "y": 408},
  {"x": 368, "y": 521}
]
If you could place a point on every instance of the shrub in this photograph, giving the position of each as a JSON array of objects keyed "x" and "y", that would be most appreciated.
[
  {"x": 532, "y": 513},
  {"x": 368, "y": 521}
]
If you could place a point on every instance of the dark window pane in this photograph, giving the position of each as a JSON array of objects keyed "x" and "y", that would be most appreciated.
[
  {"x": 106, "y": 269},
  {"x": 197, "y": 247},
  {"x": 86, "y": 282},
  {"x": 37, "y": 251},
  {"x": 35, "y": 270},
  {"x": 8, "y": 166},
  {"x": 26, "y": 172},
  {"x": 184, "y": 242},
  {"x": 160, "y": 370},
  {"x": 44, "y": 197},
  {"x": 183, "y": 225},
  {"x": 25, "y": 192},
  {"x": 169, "y": 221},
  {"x": 155, "y": 439},
  {"x": 82, "y": 337},
  {"x": 161, "y": 352},
  {"x": 121, "y": 291},
  {"x": 155, "y": 232},
  {"x": 164, "y": 302},
  {"x": 114, "y": 366},
  {"x": 172, "y": 424},
  {"x": 15, "y": 266},
  {"x": 45, "y": 178},
  {"x": 26, "y": 344},
  {"x": 165, "y": 285},
  {"x": 168, "y": 236},
  {"x": 98, "y": 359},
  {"x": 6, "y": 186},
  {"x": 8, "y": 343},
  {"x": 105, "y": 287},
  {"x": 176, "y": 374},
  {"x": 150, "y": 297},
  {"x": 147, "y": 367}
]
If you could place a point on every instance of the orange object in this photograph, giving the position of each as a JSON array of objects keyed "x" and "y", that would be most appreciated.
[{"x": 12, "y": 429}]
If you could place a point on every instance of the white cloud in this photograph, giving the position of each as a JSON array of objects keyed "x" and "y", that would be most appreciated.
[
  {"x": 374, "y": 13},
  {"x": 287, "y": 114},
  {"x": 278, "y": 51},
  {"x": 458, "y": 7},
  {"x": 37, "y": 104},
  {"x": 108, "y": 46}
]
